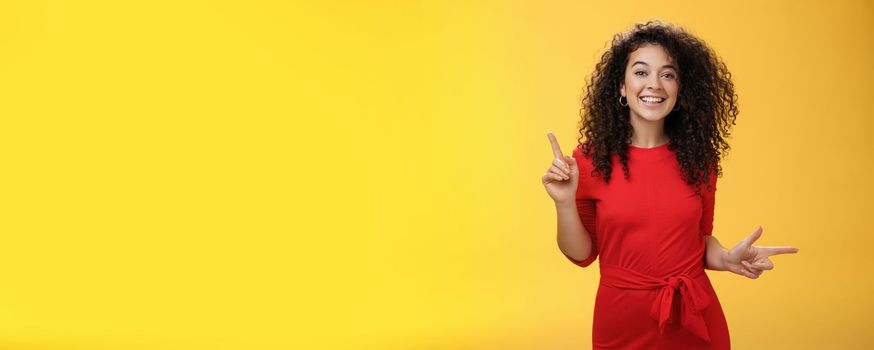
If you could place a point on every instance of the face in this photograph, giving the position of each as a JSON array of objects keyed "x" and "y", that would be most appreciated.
[{"x": 651, "y": 83}]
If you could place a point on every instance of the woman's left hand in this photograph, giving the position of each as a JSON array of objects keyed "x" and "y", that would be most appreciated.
[{"x": 745, "y": 259}]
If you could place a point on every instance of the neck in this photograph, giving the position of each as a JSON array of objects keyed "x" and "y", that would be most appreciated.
[{"x": 648, "y": 134}]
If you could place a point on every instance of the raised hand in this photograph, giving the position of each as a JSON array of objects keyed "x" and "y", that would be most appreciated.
[
  {"x": 562, "y": 177},
  {"x": 748, "y": 260}
]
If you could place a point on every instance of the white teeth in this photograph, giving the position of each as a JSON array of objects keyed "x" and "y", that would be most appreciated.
[{"x": 652, "y": 99}]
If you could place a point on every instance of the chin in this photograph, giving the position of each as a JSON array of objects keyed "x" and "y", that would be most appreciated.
[
  {"x": 656, "y": 118},
  {"x": 652, "y": 116}
]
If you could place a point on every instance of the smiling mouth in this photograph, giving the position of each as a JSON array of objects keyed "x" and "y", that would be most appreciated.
[{"x": 652, "y": 101}]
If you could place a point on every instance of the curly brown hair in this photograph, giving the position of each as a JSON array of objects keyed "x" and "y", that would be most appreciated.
[{"x": 697, "y": 129}]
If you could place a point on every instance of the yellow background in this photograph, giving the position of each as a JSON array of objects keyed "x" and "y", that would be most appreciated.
[{"x": 366, "y": 175}]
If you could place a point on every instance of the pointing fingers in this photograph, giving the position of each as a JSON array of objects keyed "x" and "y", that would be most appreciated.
[
  {"x": 556, "y": 149},
  {"x": 768, "y": 251}
]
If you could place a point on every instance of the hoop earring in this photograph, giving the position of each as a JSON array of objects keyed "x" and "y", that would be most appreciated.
[
  {"x": 677, "y": 107},
  {"x": 620, "y": 101}
]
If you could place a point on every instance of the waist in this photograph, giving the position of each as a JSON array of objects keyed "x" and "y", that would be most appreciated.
[
  {"x": 690, "y": 284},
  {"x": 625, "y": 278}
]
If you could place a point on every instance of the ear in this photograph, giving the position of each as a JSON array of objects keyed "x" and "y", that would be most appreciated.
[{"x": 622, "y": 88}]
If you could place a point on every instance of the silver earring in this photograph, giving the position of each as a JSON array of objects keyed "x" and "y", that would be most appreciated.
[
  {"x": 677, "y": 108},
  {"x": 620, "y": 101}
]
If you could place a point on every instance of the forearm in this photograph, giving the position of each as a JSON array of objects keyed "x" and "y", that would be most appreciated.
[
  {"x": 573, "y": 239},
  {"x": 714, "y": 254}
]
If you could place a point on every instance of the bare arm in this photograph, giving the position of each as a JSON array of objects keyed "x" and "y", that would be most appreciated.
[
  {"x": 714, "y": 254},
  {"x": 573, "y": 239},
  {"x": 561, "y": 181},
  {"x": 744, "y": 258}
]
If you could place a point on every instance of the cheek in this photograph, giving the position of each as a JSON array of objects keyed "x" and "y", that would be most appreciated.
[
  {"x": 631, "y": 85},
  {"x": 673, "y": 89}
]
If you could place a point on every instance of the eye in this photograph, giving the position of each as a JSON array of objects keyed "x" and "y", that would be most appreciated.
[
  {"x": 640, "y": 73},
  {"x": 670, "y": 75}
]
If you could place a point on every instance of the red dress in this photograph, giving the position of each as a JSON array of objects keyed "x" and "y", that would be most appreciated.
[{"x": 649, "y": 233}]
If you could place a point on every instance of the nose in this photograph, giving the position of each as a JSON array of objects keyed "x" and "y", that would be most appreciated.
[{"x": 654, "y": 83}]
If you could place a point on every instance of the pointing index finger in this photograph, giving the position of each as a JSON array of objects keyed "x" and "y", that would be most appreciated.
[
  {"x": 556, "y": 149},
  {"x": 778, "y": 250}
]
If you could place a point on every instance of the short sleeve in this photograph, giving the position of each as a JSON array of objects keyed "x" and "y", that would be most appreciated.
[
  {"x": 708, "y": 200},
  {"x": 585, "y": 205}
]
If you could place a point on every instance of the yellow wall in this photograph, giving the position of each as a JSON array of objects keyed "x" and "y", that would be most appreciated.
[{"x": 366, "y": 175}]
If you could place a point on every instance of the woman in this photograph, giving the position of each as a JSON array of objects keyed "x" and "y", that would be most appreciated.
[{"x": 656, "y": 111}]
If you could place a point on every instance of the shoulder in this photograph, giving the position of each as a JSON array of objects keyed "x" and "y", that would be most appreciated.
[
  {"x": 580, "y": 156},
  {"x": 711, "y": 179},
  {"x": 578, "y": 151},
  {"x": 584, "y": 162},
  {"x": 708, "y": 188},
  {"x": 588, "y": 184}
]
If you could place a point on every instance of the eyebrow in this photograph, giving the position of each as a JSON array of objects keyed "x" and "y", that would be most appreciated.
[{"x": 644, "y": 63}]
